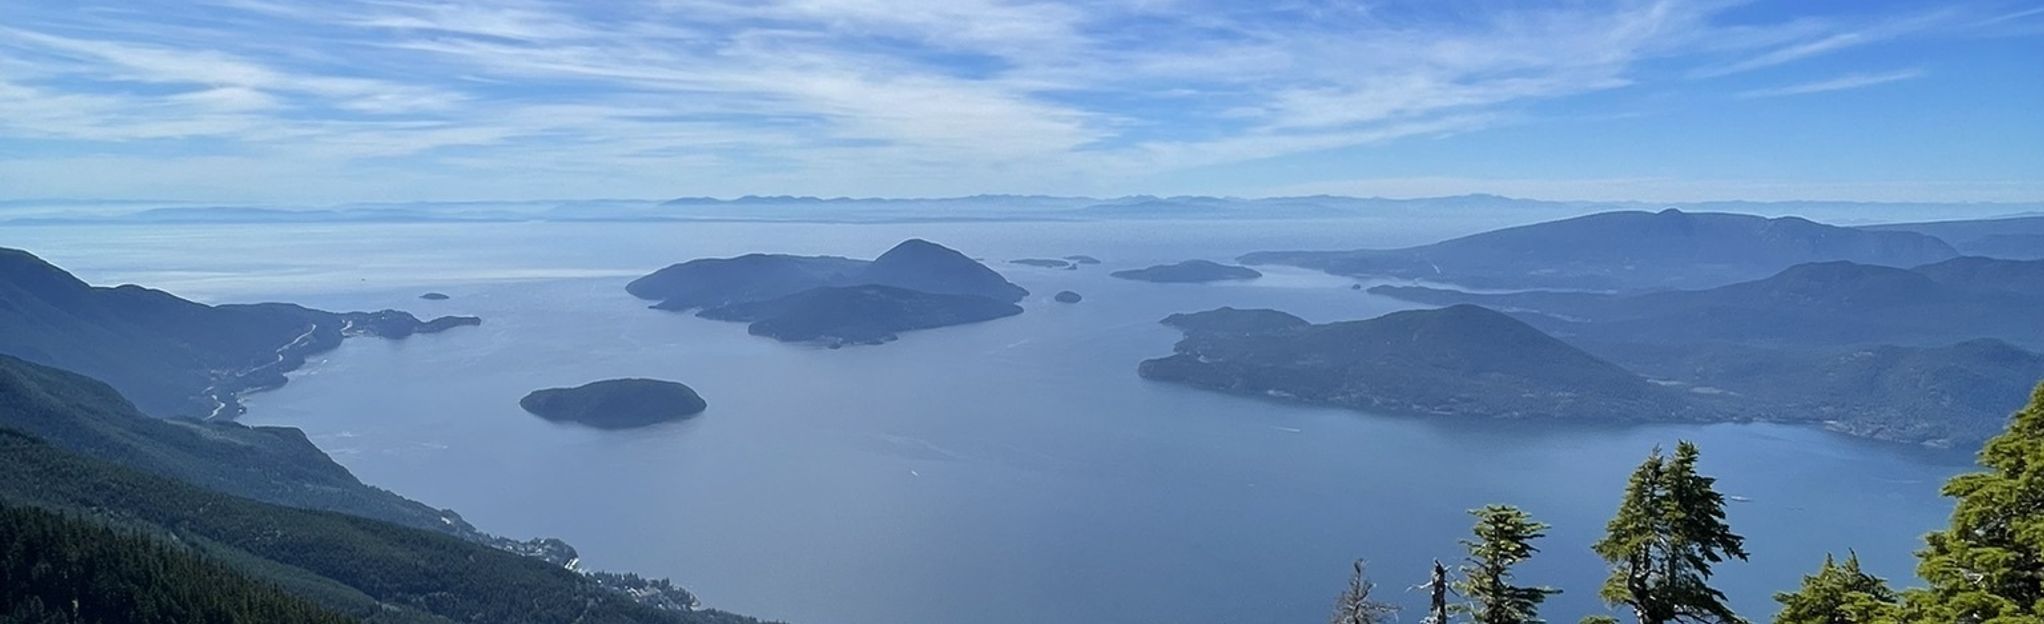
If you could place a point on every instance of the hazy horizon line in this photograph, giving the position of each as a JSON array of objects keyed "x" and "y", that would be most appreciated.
[{"x": 249, "y": 203}]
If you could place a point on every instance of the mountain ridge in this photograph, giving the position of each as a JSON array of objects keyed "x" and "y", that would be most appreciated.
[
  {"x": 1626, "y": 250},
  {"x": 171, "y": 356}
]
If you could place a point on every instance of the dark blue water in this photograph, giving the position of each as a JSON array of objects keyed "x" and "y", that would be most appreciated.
[{"x": 1007, "y": 472}]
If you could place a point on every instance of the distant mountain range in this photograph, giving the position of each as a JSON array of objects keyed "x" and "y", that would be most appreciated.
[
  {"x": 171, "y": 356},
  {"x": 1818, "y": 304},
  {"x": 833, "y": 300},
  {"x": 1626, "y": 251},
  {"x": 2017, "y": 237}
]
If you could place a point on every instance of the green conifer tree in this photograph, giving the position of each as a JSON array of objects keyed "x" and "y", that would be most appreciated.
[
  {"x": 1988, "y": 567},
  {"x": 1504, "y": 538},
  {"x": 1669, "y": 533},
  {"x": 1839, "y": 594}
]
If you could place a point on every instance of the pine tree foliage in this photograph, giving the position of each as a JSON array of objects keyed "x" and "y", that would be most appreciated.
[
  {"x": 1504, "y": 539},
  {"x": 57, "y": 569},
  {"x": 1839, "y": 593},
  {"x": 1668, "y": 534},
  {"x": 1355, "y": 606},
  {"x": 1988, "y": 566}
]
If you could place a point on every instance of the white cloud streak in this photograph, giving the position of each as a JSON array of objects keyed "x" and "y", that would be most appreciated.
[
  {"x": 1841, "y": 83},
  {"x": 826, "y": 96}
]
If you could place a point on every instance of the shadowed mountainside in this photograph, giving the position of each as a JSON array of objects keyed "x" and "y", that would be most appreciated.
[{"x": 171, "y": 356}]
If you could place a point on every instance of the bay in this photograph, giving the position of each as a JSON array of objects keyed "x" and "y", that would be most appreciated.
[{"x": 1005, "y": 472}]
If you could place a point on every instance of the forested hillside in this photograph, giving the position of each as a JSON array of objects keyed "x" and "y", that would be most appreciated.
[
  {"x": 337, "y": 559},
  {"x": 60, "y": 569}
]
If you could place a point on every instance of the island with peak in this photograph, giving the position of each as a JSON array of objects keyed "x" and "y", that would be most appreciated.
[
  {"x": 434, "y": 296},
  {"x": 1189, "y": 272},
  {"x": 836, "y": 301},
  {"x": 616, "y": 403},
  {"x": 1456, "y": 361}
]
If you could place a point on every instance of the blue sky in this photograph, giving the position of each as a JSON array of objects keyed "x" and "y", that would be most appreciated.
[{"x": 345, "y": 100}]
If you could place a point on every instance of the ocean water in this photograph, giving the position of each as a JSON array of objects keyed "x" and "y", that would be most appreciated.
[{"x": 1015, "y": 471}]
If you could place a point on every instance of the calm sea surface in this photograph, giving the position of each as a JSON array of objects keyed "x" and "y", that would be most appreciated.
[{"x": 1015, "y": 471}]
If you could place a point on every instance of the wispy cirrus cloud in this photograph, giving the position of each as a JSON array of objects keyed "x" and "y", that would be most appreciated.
[
  {"x": 1840, "y": 83},
  {"x": 1951, "y": 19},
  {"x": 838, "y": 96}
]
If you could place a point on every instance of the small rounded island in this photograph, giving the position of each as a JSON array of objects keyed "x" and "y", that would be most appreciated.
[
  {"x": 1067, "y": 296},
  {"x": 434, "y": 296},
  {"x": 616, "y": 403}
]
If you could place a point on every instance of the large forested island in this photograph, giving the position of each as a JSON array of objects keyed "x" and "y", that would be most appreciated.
[
  {"x": 1465, "y": 359},
  {"x": 836, "y": 301},
  {"x": 616, "y": 403},
  {"x": 851, "y": 315},
  {"x": 1460, "y": 360},
  {"x": 1189, "y": 272}
]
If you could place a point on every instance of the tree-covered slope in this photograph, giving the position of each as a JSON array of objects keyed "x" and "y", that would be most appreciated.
[
  {"x": 867, "y": 314},
  {"x": 171, "y": 356},
  {"x": 1934, "y": 354},
  {"x": 616, "y": 403},
  {"x": 410, "y": 569},
  {"x": 1189, "y": 272},
  {"x": 62, "y": 569},
  {"x": 271, "y": 464},
  {"x": 1462, "y": 360},
  {"x": 712, "y": 282},
  {"x": 2024, "y": 277},
  {"x": 1948, "y": 396},
  {"x": 914, "y": 264}
]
